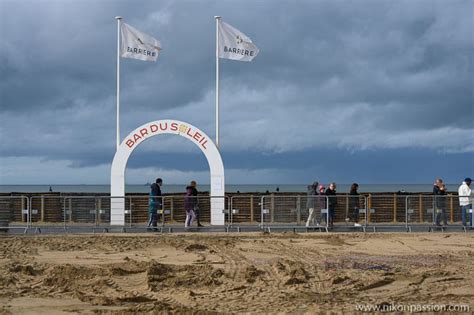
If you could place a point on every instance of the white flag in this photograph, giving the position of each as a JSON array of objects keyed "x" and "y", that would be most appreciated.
[
  {"x": 235, "y": 45},
  {"x": 138, "y": 45}
]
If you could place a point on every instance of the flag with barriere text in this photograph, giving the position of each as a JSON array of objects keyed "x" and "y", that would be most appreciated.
[
  {"x": 235, "y": 45},
  {"x": 138, "y": 45}
]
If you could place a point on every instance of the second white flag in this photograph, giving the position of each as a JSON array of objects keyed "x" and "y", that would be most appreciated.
[{"x": 138, "y": 45}]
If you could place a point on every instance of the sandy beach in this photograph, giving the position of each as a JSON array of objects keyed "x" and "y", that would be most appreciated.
[{"x": 232, "y": 273}]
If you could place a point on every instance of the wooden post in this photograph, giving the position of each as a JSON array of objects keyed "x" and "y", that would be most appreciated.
[
  {"x": 272, "y": 208},
  {"x": 451, "y": 208},
  {"x": 420, "y": 204},
  {"x": 70, "y": 210},
  {"x": 369, "y": 201},
  {"x": 394, "y": 208},
  {"x": 42, "y": 209},
  {"x": 251, "y": 209},
  {"x": 298, "y": 210},
  {"x": 22, "y": 208},
  {"x": 99, "y": 205},
  {"x": 347, "y": 207},
  {"x": 172, "y": 209}
]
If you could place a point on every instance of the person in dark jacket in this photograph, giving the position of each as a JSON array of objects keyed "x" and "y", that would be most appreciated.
[
  {"x": 439, "y": 192},
  {"x": 332, "y": 203},
  {"x": 196, "y": 204},
  {"x": 321, "y": 201},
  {"x": 191, "y": 205},
  {"x": 354, "y": 204},
  {"x": 155, "y": 203},
  {"x": 311, "y": 202}
]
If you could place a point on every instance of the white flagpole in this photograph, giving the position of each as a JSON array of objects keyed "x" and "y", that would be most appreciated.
[
  {"x": 118, "y": 18},
  {"x": 217, "y": 80}
]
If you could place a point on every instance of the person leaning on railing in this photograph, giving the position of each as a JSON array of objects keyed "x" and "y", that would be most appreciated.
[
  {"x": 311, "y": 203},
  {"x": 464, "y": 193}
]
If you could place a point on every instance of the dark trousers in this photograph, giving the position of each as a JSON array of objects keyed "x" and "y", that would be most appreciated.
[
  {"x": 152, "y": 219},
  {"x": 196, "y": 212},
  {"x": 331, "y": 214},
  {"x": 355, "y": 214},
  {"x": 441, "y": 213}
]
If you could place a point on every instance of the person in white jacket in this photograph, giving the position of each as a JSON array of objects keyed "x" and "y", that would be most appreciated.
[{"x": 464, "y": 193}]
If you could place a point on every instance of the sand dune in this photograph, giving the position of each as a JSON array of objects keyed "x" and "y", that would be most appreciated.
[{"x": 219, "y": 273}]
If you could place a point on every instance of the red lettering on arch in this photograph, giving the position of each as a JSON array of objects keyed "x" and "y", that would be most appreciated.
[
  {"x": 197, "y": 136},
  {"x": 153, "y": 128},
  {"x": 144, "y": 132},
  {"x": 130, "y": 143},
  {"x": 165, "y": 127},
  {"x": 188, "y": 133},
  {"x": 162, "y": 126}
]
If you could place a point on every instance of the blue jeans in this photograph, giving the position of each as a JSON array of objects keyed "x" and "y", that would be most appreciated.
[{"x": 464, "y": 210}]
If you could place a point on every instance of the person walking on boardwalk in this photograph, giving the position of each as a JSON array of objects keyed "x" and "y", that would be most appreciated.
[
  {"x": 197, "y": 211},
  {"x": 439, "y": 204},
  {"x": 354, "y": 204},
  {"x": 191, "y": 205},
  {"x": 465, "y": 202},
  {"x": 155, "y": 203},
  {"x": 332, "y": 203},
  {"x": 311, "y": 203}
]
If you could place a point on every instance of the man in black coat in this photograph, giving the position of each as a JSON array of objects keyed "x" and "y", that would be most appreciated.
[
  {"x": 332, "y": 203},
  {"x": 155, "y": 203}
]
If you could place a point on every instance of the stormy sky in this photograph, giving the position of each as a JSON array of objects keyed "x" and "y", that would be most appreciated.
[{"x": 367, "y": 91}]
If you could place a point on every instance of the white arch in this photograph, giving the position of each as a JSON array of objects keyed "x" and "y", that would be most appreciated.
[{"x": 188, "y": 131}]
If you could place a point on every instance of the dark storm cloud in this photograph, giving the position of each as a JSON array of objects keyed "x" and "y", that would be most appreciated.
[
  {"x": 350, "y": 75},
  {"x": 373, "y": 48},
  {"x": 325, "y": 165}
]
